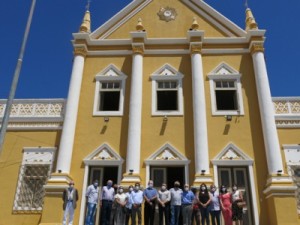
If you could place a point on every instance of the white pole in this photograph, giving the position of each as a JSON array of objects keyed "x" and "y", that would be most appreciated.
[{"x": 15, "y": 78}]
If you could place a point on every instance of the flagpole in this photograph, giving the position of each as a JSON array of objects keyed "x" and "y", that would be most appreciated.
[{"x": 15, "y": 78}]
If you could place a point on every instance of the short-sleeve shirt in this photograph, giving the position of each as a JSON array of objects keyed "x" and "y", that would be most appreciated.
[
  {"x": 187, "y": 197},
  {"x": 122, "y": 197},
  {"x": 215, "y": 201},
  {"x": 176, "y": 196},
  {"x": 150, "y": 192},
  {"x": 137, "y": 197},
  {"x": 164, "y": 196},
  {"x": 108, "y": 193},
  {"x": 93, "y": 194}
]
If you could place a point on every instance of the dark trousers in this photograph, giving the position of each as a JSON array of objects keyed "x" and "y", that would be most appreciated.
[
  {"x": 105, "y": 212},
  {"x": 215, "y": 217},
  {"x": 149, "y": 212},
  {"x": 128, "y": 215},
  {"x": 164, "y": 211},
  {"x": 136, "y": 211},
  {"x": 204, "y": 216}
]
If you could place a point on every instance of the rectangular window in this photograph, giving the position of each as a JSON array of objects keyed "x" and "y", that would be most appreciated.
[
  {"x": 167, "y": 95},
  {"x": 226, "y": 95},
  {"x": 109, "y": 96}
]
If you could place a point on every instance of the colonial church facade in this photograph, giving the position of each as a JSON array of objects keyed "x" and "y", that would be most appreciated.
[{"x": 162, "y": 92}]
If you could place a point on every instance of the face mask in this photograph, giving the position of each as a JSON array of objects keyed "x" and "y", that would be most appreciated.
[
  {"x": 71, "y": 185},
  {"x": 223, "y": 189},
  {"x": 121, "y": 190},
  {"x": 234, "y": 188},
  {"x": 213, "y": 189},
  {"x": 109, "y": 185},
  {"x": 186, "y": 189},
  {"x": 150, "y": 185},
  {"x": 176, "y": 185},
  {"x": 137, "y": 188},
  {"x": 96, "y": 184},
  {"x": 163, "y": 188},
  {"x": 131, "y": 189},
  {"x": 203, "y": 188}
]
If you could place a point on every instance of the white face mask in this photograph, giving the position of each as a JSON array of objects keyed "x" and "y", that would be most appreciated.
[
  {"x": 203, "y": 188},
  {"x": 137, "y": 188},
  {"x": 131, "y": 189},
  {"x": 213, "y": 189},
  {"x": 150, "y": 185},
  {"x": 121, "y": 190},
  {"x": 163, "y": 188},
  {"x": 234, "y": 188},
  {"x": 223, "y": 189},
  {"x": 96, "y": 184}
]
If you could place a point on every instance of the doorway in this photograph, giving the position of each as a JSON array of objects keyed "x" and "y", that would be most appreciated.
[
  {"x": 167, "y": 175},
  {"x": 239, "y": 176}
]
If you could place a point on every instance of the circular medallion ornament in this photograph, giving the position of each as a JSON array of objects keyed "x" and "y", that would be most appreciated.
[{"x": 167, "y": 14}]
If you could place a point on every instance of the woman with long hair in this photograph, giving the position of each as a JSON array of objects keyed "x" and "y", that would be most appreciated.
[
  {"x": 237, "y": 211},
  {"x": 204, "y": 200},
  {"x": 225, "y": 202}
]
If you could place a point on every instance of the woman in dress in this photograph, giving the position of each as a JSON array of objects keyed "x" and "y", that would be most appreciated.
[
  {"x": 204, "y": 200},
  {"x": 225, "y": 202},
  {"x": 237, "y": 211},
  {"x": 120, "y": 201}
]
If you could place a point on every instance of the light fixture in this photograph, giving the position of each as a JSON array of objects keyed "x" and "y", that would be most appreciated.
[
  {"x": 203, "y": 172},
  {"x": 228, "y": 117},
  {"x": 59, "y": 171},
  {"x": 106, "y": 119},
  {"x": 165, "y": 118},
  {"x": 279, "y": 172},
  {"x": 131, "y": 171}
]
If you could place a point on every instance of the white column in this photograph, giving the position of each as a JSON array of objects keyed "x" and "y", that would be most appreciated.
[
  {"x": 199, "y": 108},
  {"x": 266, "y": 106},
  {"x": 135, "y": 115},
  {"x": 68, "y": 132}
]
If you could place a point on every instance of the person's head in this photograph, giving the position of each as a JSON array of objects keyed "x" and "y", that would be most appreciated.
[
  {"x": 194, "y": 190},
  {"x": 109, "y": 183},
  {"x": 115, "y": 186},
  {"x": 213, "y": 188},
  {"x": 96, "y": 183},
  {"x": 234, "y": 187},
  {"x": 203, "y": 188},
  {"x": 223, "y": 189},
  {"x": 177, "y": 184},
  {"x": 137, "y": 186},
  {"x": 186, "y": 187},
  {"x": 120, "y": 189},
  {"x": 130, "y": 188},
  {"x": 150, "y": 183},
  {"x": 163, "y": 187},
  {"x": 71, "y": 184}
]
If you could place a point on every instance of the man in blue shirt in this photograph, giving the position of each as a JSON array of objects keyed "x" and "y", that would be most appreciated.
[
  {"x": 186, "y": 205},
  {"x": 137, "y": 201},
  {"x": 150, "y": 196}
]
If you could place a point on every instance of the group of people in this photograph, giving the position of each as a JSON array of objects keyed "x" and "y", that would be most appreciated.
[{"x": 118, "y": 207}]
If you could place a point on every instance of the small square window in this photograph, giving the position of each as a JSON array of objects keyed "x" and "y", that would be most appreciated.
[
  {"x": 109, "y": 101},
  {"x": 226, "y": 100}
]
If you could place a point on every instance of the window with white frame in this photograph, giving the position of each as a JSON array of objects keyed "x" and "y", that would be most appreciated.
[
  {"x": 226, "y": 91},
  {"x": 167, "y": 91},
  {"x": 109, "y": 92},
  {"x": 34, "y": 173}
]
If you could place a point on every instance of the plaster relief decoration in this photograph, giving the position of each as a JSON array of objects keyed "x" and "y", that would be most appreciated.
[
  {"x": 231, "y": 154},
  {"x": 104, "y": 155},
  {"x": 167, "y": 13},
  {"x": 166, "y": 155},
  {"x": 296, "y": 178}
]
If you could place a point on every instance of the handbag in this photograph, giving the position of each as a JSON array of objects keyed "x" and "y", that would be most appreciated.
[{"x": 241, "y": 204}]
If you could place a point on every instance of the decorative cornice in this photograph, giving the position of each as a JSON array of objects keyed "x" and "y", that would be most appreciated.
[
  {"x": 80, "y": 51},
  {"x": 138, "y": 49},
  {"x": 196, "y": 48},
  {"x": 257, "y": 47}
]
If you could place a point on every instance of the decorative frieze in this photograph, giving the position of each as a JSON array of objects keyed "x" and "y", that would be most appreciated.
[
  {"x": 167, "y": 14},
  {"x": 196, "y": 48},
  {"x": 257, "y": 47},
  {"x": 80, "y": 51},
  {"x": 138, "y": 49}
]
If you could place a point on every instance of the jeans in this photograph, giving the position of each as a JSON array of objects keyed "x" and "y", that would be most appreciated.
[
  {"x": 175, "y": 212},
  {"x": 90, "y": 215},
  {"x": 105, "y": 212},
  {"x": 69, "y": 211},
  {"x": 215, "y": 216}
]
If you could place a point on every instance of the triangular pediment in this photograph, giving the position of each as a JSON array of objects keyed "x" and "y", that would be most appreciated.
[
  {"x": 223, "y": 69},
  {"x": 165, "y": 19},
  {"x": 167, "y": 154},
  {"x": 103, "y": 153},
  {"x": 231, "y": 154},
  {"x": 166, "y": 71},
  {"x": 109, "y": 72}
]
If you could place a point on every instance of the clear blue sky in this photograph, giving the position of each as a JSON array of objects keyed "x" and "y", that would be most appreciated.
[{"x": 48, "y": 59}]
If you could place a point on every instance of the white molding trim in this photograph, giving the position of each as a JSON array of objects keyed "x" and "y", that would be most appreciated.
[
  {"x": 155, "y": 160},
  {"x": 225, "y": 72},
  {"x": 171, "y": 75},
  {"x": 110, "y": 73},
  {"x": 244, "y": 160}
]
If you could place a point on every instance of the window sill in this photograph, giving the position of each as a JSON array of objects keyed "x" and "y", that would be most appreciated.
[
  {"x": 108, "y": 113},
  {"x": 228, "y": 112},
  {"x": 167, "y": 113}
]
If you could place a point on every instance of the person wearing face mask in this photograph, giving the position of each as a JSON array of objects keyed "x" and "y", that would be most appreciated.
[
  {"x": 176, "y": 195},
  {"x": 137, "y": 197},
  {"x": 225, "y": 202},
  {"x": 150, "y": 196},
  {"x": 163, "y": 198},
  {"x": 92, "y": 195},
  {"x": 186, "y": 205},
  {"x": 237, "y": 211},
  {"x": 214, "y": 208},
  {"x": 70, "y": 197},
  {"x": 107, "y": 198},
  {"x": 128, "y": 204},
  {"x": 120, "y": 202},
  {"x": 204, "y": 201}
]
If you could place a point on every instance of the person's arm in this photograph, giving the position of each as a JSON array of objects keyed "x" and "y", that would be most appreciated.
[
  {"x": 220, "y": 200},
  {"x": 76, "y": 195},
  {"x": 241, "y": 196},
  {"x": 87, "y": 194},
  {"x": 64, "y": 195},
  {"x": 145, "y": 197},
  {"x": 168, "y": 197},
  {"x": 154, "y": 197},
  {"x": 208, "y": 201}
]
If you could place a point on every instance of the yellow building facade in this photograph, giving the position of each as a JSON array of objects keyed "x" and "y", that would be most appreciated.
[{"x": 162, "y": 92}]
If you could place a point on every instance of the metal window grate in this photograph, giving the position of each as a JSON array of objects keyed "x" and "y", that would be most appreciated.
[{"x": 30, "y": 191}]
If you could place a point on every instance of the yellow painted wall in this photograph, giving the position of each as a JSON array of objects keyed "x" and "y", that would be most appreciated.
[{"x": 10, "y": 161}]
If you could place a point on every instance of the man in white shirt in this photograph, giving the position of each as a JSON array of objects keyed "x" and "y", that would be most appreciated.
[
  {"x": 137, "y": 197},
  {"x": 92, "y": 195},
  {"x": 163, "y": 198},
  {"x": 107, "y": 198},
  {"x": 176, "y": 195}
]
